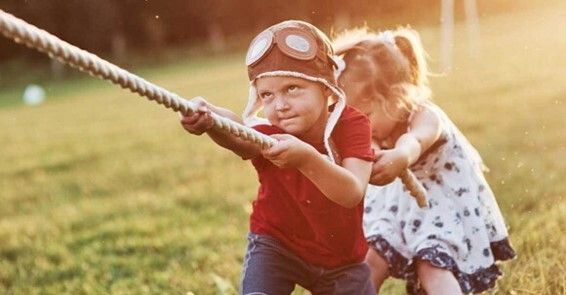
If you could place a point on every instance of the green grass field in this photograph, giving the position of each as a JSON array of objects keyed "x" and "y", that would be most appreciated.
[{"x": 102, "y": 192}]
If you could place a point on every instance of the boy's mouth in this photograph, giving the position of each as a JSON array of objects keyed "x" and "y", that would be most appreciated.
[{"x": 287, "y": 118}]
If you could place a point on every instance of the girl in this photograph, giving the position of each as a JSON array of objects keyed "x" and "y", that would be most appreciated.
[
  {"x": 306, "y": 224},
  {"x": 452, "y": 246}
]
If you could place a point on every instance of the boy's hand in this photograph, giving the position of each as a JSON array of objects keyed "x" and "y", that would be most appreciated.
[
  {"x": 289, "y": 152},
  {"x": 200, "y": 121},
  {"x": 388, "y": 166}
]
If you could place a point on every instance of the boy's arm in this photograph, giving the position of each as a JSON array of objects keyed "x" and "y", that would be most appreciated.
[
  {"x": 424, "y": 131},
  {"x": 201, "y": 121},
  {"x": 344, "y": 185},
  {"x": 242, "y": 148}
]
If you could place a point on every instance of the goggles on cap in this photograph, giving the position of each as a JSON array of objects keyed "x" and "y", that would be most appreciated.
[{"x": 293, "y": 42}]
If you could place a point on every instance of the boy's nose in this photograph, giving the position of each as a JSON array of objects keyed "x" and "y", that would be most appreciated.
[{"x": 281, "y": 104}]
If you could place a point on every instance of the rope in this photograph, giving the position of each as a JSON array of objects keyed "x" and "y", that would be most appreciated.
[
  {"x": 35, "y": 38},
  {"x": 23, "y": 33}
]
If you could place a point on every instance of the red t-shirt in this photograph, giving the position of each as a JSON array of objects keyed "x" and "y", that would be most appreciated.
[{"x": 292, "y": 209}]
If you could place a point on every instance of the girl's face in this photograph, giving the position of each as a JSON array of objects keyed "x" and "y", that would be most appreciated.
[
  {"x": 362, "y": 92},
  {"x": 297, "y": 106},
  {"x": 365, "y": 84},
  {"x": 360, "y": 97}
]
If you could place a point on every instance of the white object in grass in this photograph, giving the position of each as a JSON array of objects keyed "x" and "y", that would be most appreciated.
[{"x": 33, "y": 95}]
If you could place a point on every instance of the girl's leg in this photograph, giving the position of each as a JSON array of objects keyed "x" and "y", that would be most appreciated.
[
  {"x": 379, "y": 268},
  {"x": 437, "y": 280}
]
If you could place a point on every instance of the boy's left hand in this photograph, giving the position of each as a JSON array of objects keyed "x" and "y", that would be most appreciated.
[
  {"x": 388, "y": 166},
  {"x": 289, "y": 152}
]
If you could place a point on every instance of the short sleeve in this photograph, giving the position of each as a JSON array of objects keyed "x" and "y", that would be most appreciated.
[{"x": 352, "y": 135}]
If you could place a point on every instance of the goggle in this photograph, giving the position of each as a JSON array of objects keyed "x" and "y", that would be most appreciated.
[{"x": 293, "y": 42}]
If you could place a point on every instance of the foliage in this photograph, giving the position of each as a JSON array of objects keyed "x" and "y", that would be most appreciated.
[{"x": 150, "y": 25}]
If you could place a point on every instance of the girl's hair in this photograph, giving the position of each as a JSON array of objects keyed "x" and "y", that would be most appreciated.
[{"x": 392, "y": 63}]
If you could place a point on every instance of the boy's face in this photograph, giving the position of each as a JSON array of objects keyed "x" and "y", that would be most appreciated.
[{"x": 297, "y": 106}]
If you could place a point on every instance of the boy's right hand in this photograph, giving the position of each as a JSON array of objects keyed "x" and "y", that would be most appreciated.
[
  {"x": 288, "y": 152},
  {"x": 200, "y": 121}
]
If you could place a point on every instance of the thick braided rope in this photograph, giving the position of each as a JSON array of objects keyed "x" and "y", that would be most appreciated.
[
  {"x": 35, "y": 38},
  {"x": 22, "y": 32}
]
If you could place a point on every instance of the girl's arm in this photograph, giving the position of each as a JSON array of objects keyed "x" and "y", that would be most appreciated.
[
  {"x": 344, "y": 185},
  {"x": 424, "y": 131},
  {"x": 201, "y": 122}
]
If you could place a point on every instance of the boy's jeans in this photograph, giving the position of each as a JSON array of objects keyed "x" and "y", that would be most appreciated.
[{"x": 271, "y": 269}]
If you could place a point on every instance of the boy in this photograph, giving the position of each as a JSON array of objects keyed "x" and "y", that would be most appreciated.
[{"x": 306, "y": 224}]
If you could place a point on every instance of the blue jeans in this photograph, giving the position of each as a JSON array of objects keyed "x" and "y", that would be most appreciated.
[{"x": 271, "y": 269}]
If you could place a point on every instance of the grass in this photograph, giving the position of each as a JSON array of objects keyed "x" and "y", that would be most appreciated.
[{"x": 102, "y": 192}]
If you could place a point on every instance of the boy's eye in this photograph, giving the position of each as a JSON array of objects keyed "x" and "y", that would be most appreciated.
[
  {"x": 292, "y": 88},
  {"x": 265, "y": 95}
]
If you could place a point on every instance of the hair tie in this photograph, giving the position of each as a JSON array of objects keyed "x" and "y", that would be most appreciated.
[{"x": 386, "y": 37}]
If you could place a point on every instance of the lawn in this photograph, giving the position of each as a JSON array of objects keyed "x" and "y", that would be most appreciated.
[{"x": 102, "y": 192}]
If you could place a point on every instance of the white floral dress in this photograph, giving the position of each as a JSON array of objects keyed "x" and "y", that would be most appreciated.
[{"x": 462, "y": 230}]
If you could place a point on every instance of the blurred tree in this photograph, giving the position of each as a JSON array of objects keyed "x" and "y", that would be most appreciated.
[
  {"x": 89, "y": 24},
  {"x": 116, "y": 26}
]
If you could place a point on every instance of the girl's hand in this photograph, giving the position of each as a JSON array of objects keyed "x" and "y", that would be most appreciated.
[
  {"x": 200, "y": 121},
  {"x": 388, "y": 166},
  {"x": 289, "y": 152}
]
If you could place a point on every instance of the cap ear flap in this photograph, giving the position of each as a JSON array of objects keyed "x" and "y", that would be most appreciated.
[
  {"x": 249, "y": 116},
  {"x": 406, "y": 47}
]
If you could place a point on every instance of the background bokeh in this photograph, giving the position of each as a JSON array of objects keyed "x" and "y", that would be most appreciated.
[{"x": 102, "y": 192}]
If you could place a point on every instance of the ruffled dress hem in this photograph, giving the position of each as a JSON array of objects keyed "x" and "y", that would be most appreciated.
[{"x": 400, "y": 267}]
